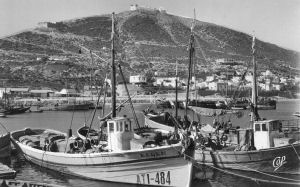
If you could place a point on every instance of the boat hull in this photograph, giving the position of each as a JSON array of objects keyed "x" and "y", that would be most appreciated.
[
  {"x": 71, "y": 107},
  {"x": 16, "y": 110},
  {"x": 266, "y": 107},
  {"x": 153, "y": 124},
  {"x": 5, "y": 146},
  {"x": 273, "y": 160},
  {"x": 159, "y": 166}
]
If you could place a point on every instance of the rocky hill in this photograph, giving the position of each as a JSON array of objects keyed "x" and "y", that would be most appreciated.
[{"x": 58, "y": 54}]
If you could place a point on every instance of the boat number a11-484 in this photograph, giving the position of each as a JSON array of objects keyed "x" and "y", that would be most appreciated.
[{"x": 161, "y": 178}]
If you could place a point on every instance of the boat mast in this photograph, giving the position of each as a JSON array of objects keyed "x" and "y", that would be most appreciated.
[
  {"x": 176, "y": 92},
  {"x": 130, "y": 101},
  {"x": 113, "y": 72},
  {"x": 191, "y": 52},
  {"x": 254, "y": 113}
]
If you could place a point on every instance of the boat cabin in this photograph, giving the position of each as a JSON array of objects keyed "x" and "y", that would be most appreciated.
[
  {"x": 266, "y": 133},
  {"x": 119, "y": 132}
]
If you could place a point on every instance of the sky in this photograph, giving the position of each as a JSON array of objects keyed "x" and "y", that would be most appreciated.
[{"x": 274, "y": 21}]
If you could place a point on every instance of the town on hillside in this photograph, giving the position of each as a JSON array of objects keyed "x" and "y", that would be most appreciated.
[{"x": 228, "y": 78}]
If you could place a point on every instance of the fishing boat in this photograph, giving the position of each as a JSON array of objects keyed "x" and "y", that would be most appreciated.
[
  {"x": 2, "y": 114},
  {"x": 35, "y": 109},
  {"x": 163, "y": 120},
  {"x": 297, "y": 114},
  {"x": 5, "y": 146},
  {"x": 239, "y": 104},
  {"x": 265, "y": 146},
  {"x": 272, "y": 151},
  {"x": 266, "y": 104},
  {"x": 11, "y": 110},
  {"x": 71, "y": 106},
  {"x": 123, "y": 157}
]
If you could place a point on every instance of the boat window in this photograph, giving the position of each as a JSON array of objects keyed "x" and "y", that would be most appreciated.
[
  {"x": 264, "y": 127},
  {"x": 111, "y": 127},
  {"x": 118, "y": 124},
  {"x": 276, "y": 125},
  {"x": 121, "y": 126},
  {"x": 257, "y": 127}
]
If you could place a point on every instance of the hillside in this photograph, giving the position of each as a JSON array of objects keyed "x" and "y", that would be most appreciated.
[{"x": 148, "y": 40}]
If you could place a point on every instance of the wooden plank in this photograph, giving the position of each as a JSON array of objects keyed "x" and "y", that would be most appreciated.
[{"x": 22, "y": 183}]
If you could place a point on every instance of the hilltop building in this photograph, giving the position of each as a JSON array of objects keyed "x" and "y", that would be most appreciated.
[{"x": 137, "y": 7}]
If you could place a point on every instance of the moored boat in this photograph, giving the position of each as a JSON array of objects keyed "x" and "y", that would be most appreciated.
[
  {"x": 2, "y": 115},
  {"x": 266, "y": 104},
  {"x": 297, "y": 114},
  {"x": 272, "y": 150},
  {"x": 266, "y": 146},
  {"x": 72, "y": 106},
  {"x": 123, "y": 157},
  {"x": 5, "y": 146},
  {"x": 162, "y": 120},
  {"x": 159, "y": 165},
  {"x": 11, "y": 110},
  {"x": 35, "y": 109}
]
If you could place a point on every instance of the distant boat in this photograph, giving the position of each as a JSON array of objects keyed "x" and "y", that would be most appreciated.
[
  {"x": 9, "y": 108},
  {"x": 2, "y": 114},
  {"x": 15, "y": 110},
  {"x": 239, "y": 104},
  {"x": 35, "y": 109},
  {"x": 296, "y": 114},
  {"x": 70, "y": 106},
  {"x": 266, "y": 104}
]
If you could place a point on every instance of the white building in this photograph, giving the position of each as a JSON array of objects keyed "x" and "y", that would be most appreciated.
[
  {"x": 137, "y": 79},
  {"x": 249, "y": 77},
  {"x": 236, "y": 79},
  {"x": 166, "y": 81},
  {"x": 169, "y": 82},
  {"x": 210, "y": 78}
]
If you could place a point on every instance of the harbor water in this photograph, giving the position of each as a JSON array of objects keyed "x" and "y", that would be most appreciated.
[{"x": 61, "y": 120}]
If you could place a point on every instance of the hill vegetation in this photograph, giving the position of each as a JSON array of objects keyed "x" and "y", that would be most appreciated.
[{"x": 145, "y": 38}]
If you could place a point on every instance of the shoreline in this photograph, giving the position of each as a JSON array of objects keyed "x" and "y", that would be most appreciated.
[{"x": 149, "y": 98}]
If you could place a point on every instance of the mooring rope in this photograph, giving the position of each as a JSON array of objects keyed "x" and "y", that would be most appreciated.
[
  {"x": 295, "y": 151},
  {"x": 4, "y": 127}
]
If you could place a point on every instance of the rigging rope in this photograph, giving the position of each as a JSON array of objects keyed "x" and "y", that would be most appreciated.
[
  {"x": 4, "y": 127},
  {"x": 295, "y": 151}
]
